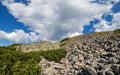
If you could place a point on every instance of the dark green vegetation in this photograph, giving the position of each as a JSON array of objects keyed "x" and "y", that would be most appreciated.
[
  {"x": 117, "y": 31},
  {"x": 14, "y": 62},
  {"x": 64, "y": 42},
  {"x": 64, "y": 39}
]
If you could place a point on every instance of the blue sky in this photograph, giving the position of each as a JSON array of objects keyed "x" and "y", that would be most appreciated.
[
  {"x": 26, "y": 21},
  {"x": 8, "y": 23}
]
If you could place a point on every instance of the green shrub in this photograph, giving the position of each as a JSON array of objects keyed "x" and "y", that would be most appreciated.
[
  {"x": 14, "y": 62},
  {"x": 117, "y": 31},
  {"x": 54, "y": 55},
  {"x": 64, "y": 39}
]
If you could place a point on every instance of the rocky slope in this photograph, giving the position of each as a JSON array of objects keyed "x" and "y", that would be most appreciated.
[
  {"x": 38, "y": 46},
  {"x": 91, "y": 54}
]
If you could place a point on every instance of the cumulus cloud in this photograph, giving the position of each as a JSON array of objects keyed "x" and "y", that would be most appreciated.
[
  {"x": 74, "y": 34},
  {"x": 116, "y": 21},
  {"x": 108, "y": 26},
  {"x": 104, "y": 26},
  {"x": 56, "y": 19},
  {"x": 18, "y": 36}
]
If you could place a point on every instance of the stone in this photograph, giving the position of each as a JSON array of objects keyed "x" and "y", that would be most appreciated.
[
  {"x": 109, "y": 73},
  {"x": 113, "y": 60},
  {"x": 90, "y": 70}
]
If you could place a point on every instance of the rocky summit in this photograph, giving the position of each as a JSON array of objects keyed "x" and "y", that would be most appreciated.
[{"x": 90, "y": 54}]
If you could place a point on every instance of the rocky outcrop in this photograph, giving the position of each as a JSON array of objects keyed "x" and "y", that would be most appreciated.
[
  {"x": 38, "y": 46},
  {"x": 91, "y": 54}
]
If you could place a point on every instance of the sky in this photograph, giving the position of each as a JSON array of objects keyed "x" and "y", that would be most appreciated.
[{"x": 27, "y": 21}]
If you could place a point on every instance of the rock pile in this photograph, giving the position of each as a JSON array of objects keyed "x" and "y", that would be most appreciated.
[{"x": 92, "y": 54}]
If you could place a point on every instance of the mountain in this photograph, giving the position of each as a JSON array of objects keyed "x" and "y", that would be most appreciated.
[
  {"x": 95, "y": 53},
  {"x": 90, "y": 54}
]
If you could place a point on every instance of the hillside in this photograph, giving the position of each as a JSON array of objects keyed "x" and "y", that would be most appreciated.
[{"x": 91, "y": 54}]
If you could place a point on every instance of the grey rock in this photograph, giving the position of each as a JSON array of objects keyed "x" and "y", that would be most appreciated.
[
  {"x": 109, "y": 73},
  {"x": 90, "y": 70}
]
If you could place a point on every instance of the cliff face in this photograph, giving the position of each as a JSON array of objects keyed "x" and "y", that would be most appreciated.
[{"x": 91, "y": 54}]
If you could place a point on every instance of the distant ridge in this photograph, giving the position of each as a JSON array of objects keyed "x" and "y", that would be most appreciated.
[{"x": 38, "y": 46}]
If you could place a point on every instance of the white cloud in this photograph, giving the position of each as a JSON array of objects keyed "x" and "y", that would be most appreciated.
[
  {"x": 106, "y": 1},
  {"x": 106, "y": 26},
  {"x": 74, "y": 34},
  {"x": 18, "y": 36},
  {"x": 33, "y": 37},
  {"x": 116, "y": 21},
  {"x": 55, "y": 19}
]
